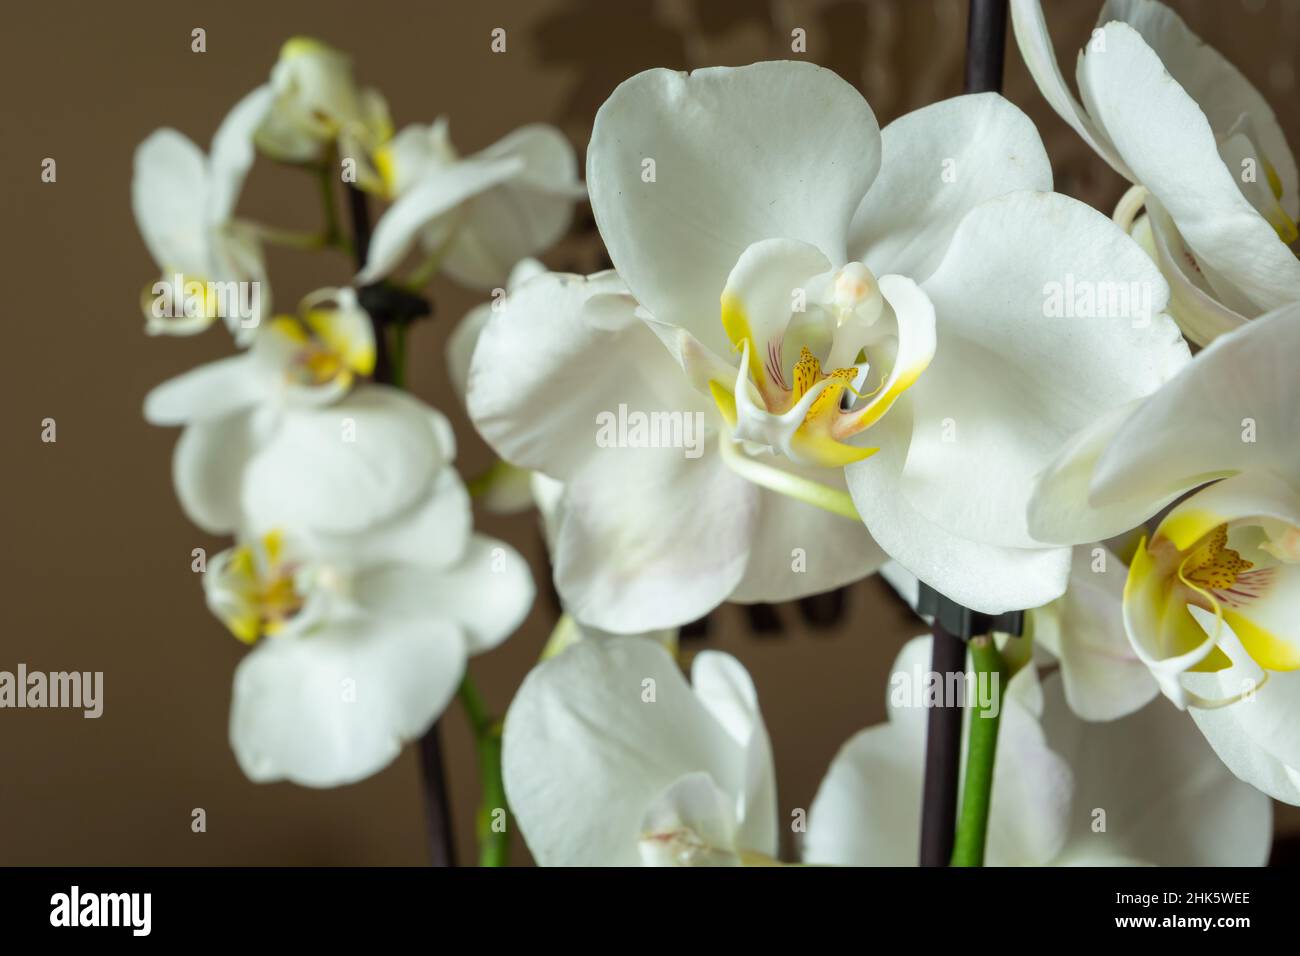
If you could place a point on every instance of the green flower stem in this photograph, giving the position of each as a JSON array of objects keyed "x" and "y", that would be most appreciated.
[
  {"x": 331, "y": 234},
  {"x": 324, "y": 175},
  {"x": 399, "y": 355},
  {"x": 493, "y": 836},
  {"x": 291, "y": 239},
  {"x": 981, "y": 750}
]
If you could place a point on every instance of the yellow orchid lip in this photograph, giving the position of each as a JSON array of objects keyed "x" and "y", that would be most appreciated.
[
  {"x": 326, "y": 346},
  {"x": 1151, "y": 582},
  {"x": 1191, "y": 562},
  {"x": 253, "y": 588},
  {"x": 820, "y": 435}
]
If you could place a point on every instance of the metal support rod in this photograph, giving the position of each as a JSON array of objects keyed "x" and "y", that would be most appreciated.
[{"x": 437, "y": 805}]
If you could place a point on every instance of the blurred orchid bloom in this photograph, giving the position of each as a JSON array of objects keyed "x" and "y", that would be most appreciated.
[
  {"x": 361, "y": 639},
  {"x": 184, "y": 204},
  {"x": 285, "y": 427},
  {"x": 1212, "y": 600},
  {"x": 1201, "y": 145},
  {"x": 1081, "y": 632},
  {"x": 748, "y": 229},
  {"x": 612, "y": 759},
  {"x": 317, "y": 105},
  {"x": 473, "y": 217},
  {"x": 1144, "y": 790}
]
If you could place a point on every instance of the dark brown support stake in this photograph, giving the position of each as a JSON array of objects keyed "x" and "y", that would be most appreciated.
[
  {"x": 388, "y": 305},
  {"x": 954, "y": 625},
  {"x": 437, "y": 805},
  {"x": 986, "y": 44},
  {"x": 942, "y": 752}
]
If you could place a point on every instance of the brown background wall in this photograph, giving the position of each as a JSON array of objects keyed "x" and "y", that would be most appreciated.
[{"x": 95, "y": 565}]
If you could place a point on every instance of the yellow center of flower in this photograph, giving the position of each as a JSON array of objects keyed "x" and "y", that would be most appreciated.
[
  {"x": 326, "y": 346},
  {"x": 253, "y": 589},
  {"x": 807, "y": 373},
  {"x": 1212, "y": 565},
  {"x": 1191, "y": 563},
  {"x": 809, "y": 407}
]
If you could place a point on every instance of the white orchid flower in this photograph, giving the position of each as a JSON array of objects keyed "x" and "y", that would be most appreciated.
[
  {"x": 317, "y": 104},
  {"x": 474, "y": 217},
  {"x": 286, "y": 417},
  {"x": 1212, "y": 599},
  {"x": 1176, "y": 119},
  {"x": 361, "y": 639},
  {"x": 655, "y": 531},
  {"x": 1081, "y": 632},
  {"x": 1144, "y": 790},
  {"x": 184, "y": 203},
  {"x": 748, "y": 212},
  {"x": 611, "y": 758}
]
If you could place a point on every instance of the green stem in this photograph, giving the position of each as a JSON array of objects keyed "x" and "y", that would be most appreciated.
[
  {"x": 399, "y": 354},
  {"x": 981, "y": 750},
  {"x": 331, "y": 235},
  {"x": 324, "y": 175},
  {"x": 493, "y": 820},
  {"x": 291, "y": 239}
]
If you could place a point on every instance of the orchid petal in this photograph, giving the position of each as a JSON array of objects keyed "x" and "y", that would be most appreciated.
[
  {"x": 594, "y": 737},
  {"x": 1172, "y": 151},
  {"x": 337, "y": 705},
  {"x": 771, "y": 150},
  {"x": 937, "y": 163}
]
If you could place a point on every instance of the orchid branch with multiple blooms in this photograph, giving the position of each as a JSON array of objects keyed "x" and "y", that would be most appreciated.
[{"x": 826, "y": 349}]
